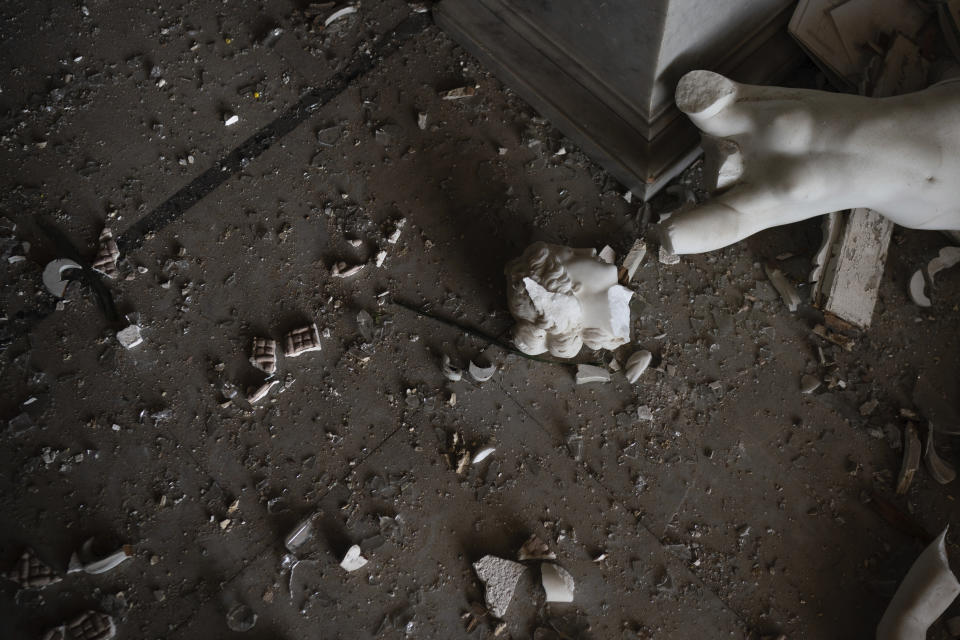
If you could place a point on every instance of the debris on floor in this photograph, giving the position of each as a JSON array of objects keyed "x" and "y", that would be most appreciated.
[
  {"x": 636, "y": 364},
  {"x": 459, "y": 93},
  {"x": 241, "y": 618},
  {"x": 394, "y": 236},
  {"x": 784, "y": 287},
  {"x": 557, "y": 582},
  {"x": 300, "y": 535},
  {"x": 948, "y": 257},
  {"x": 535, "y": 549},
  {"x": 30, "y": 572},
  {"x": 264, "y": 355},
  {"x": 106, "y": 260},
  {"x": 343, "y": 270},
  {"x": 924, "y": 594},
  {"x": 587, "y": 373},
  {"x": 499, "y": 577},
  {"x": 90, "y": 625},
  {"x": 481, "y": 373},
  {"x": 130, "y": 337},
  {"x": 632, "y": 261},
  {"x": 939, "y": 469},
  {"x": 353, "y": 560},
  {"x": 452, "y": 373},
  {"x": 84, "y": 560},
  {"x": 911, "y": 459},
  {"x": 256, "y": 394},
  {"x": 53, "y": 275},
  {"x": 340, "y": 13},
  {"x": 809, "y": 383},
  {"x": 301, "y": 341},
  {"x": 482, "y": 455}
]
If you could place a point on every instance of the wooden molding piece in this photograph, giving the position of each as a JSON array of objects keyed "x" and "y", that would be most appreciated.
[{"x": 853, "y": 275}]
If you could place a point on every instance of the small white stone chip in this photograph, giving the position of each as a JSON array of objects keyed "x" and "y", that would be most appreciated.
[
  {"x": 482, "y": 455},
  {"x": 130, "y": 337},
  {"x": 587, "y": 373},
  {"x": 231, "y": 120},
  {"x": 632, "y": 261},
  {"x": 481, "y": 374},
  {"x": 353, "y": 560},
  {"x": 557, "y": 582},
  {"x": 261, "y": 392}
]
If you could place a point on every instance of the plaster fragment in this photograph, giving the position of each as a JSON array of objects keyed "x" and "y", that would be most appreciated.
[
  {"x": 500, "y": 578},
  {"x": 557, "y": 583},
  {"x": 481, "y": 374},
  {"x": 587, "y": 373},
  {"x": 353, "y": 560},
  {"x": 130, "y": 337},
  {"x": 637, "y": 364}
]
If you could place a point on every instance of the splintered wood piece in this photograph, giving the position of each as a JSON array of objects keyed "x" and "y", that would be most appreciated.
[
  {"x": 302, "y": 340},
  {"x": 911, "y": 459}
]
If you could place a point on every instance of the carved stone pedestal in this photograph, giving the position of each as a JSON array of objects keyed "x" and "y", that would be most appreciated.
[{"x": 604, "y": 72}]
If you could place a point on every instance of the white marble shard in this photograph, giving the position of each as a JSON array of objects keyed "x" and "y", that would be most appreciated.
[
  {"x": 130, "y": 337},
  {"x": 948, "y": 257},
  {"x": 261, "y": 392},
  {"x": 783, "y": 286},
  {"x": 499, "y": 577},
  {"x": 637, "y": 364},
  {"x": 632, "y": 261},
  {"x": 353, "y": 560},
  {"x": 53, "y": 278},
  {"x": 939, "y": 469},
  {"x": 809, "y": 384},
  {"x": 918, "y": 289},
  {"x": 339, "y": 13},
  {"x": 482, "y": 455},
  {"x": 557, "y": 583},
  {"x": 450, "y": 372},
  {"x": 925, "y": 593},
  {"x": 84, "y": 561},
  {"x": 587, "y": 373},
  {"x": 481, "y": 374},
  {"x": 535, "y": 549},
  {"x": 343, "y": 270}
]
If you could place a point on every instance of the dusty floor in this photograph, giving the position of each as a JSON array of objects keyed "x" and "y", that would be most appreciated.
[{"x": 742, "y": 509}]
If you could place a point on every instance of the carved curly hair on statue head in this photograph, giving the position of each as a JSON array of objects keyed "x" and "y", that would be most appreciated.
[{"x": 536, "y": 331}]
